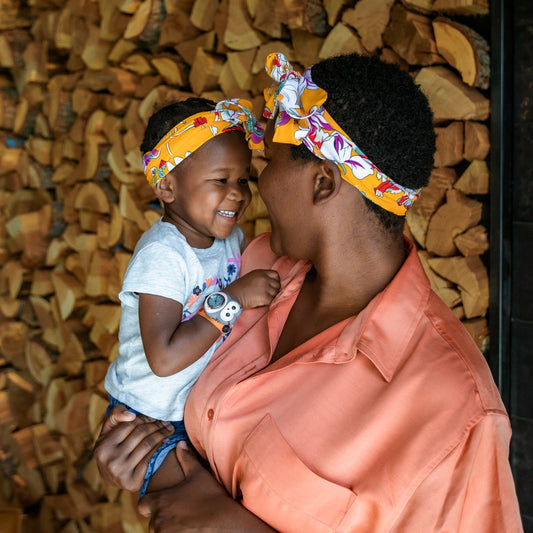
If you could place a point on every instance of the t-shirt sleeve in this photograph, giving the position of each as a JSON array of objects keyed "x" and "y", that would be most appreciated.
[
  {"x": 472, "y": 489},
  {"x": 156, "y": 269}
]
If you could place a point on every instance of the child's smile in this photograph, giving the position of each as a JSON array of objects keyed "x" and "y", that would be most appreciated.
[
  {"x": 210, "y": 190},
  {"x": 228, "y": 214}
]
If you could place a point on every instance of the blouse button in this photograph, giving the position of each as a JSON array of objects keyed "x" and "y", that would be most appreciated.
[{"x": 210, "y": 414}]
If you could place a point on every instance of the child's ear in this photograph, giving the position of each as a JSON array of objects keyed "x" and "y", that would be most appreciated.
[
  {"x": 164, "y": 190},
  {"x": 326, "y": 182}
]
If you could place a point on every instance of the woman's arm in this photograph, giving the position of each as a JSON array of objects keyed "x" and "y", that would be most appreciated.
[
  {"x": 198, "y": 503},
  {"x": 171, "y": 345},
  {"x": 122, "y": 453}
]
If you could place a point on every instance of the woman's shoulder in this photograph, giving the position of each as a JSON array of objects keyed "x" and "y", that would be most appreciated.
[{"x": 258, "y": 253}]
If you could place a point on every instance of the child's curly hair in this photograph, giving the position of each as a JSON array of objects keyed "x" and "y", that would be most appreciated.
[
  {"x": 165, "y": 118},
  {"x": 385, "y": 113}
]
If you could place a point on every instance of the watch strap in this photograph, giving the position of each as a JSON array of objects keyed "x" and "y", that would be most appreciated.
[
  {"x": 227, "y": 312},
  {"x": 223, "y": 328}
]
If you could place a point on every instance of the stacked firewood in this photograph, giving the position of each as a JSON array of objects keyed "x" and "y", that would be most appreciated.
[{"x": 78, "y": 82}]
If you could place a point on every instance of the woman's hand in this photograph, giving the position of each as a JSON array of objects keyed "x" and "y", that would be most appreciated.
[
  {"x": 125, "y": 446},
  {"x": 199, "y": 503}
]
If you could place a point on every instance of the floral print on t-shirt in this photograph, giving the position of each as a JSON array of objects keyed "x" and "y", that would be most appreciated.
[{"x": 232, "y": 272}]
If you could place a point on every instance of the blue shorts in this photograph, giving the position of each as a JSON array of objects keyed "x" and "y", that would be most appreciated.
[{"x": 163, "y": 450}]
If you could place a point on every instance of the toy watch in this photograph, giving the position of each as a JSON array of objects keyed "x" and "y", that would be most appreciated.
[{"x": 221, "y": 310}]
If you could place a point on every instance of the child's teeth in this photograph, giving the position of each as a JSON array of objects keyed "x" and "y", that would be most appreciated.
[{"x": 227, "y": 213}]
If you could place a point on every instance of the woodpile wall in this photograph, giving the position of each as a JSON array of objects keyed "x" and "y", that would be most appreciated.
[{"x": 78, "y": 81}]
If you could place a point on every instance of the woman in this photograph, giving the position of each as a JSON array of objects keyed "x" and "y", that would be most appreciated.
[{"x": 356, "y": 401}]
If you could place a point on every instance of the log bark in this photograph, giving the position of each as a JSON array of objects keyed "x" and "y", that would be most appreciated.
[
  {"x": 462, "y": 7},
  {"x": 465, "y": 50},
  {"x": 307, "y": 15}
]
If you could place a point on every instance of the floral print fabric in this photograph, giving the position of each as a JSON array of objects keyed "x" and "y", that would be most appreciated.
[
  {"x": 301, "y": 118},
  {"x": 187, "y": 136}
]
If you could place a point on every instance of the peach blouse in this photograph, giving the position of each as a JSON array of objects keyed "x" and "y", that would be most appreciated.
[{"x": 389, "y": 421}]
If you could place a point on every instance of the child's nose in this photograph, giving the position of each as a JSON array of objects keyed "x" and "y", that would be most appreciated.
[{"x": 235, "y": 192}]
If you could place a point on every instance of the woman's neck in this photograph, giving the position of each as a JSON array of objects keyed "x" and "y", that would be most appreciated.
[{"x": 346, "y": 278}]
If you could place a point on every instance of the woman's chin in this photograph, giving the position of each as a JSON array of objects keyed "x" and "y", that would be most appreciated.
[{"x": 275, "y": 246}]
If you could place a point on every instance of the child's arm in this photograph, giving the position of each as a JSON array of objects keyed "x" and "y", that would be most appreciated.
[{"x": 171, "y": 345}]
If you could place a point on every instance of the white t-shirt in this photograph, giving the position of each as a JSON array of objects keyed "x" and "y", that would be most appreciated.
[{"x": 164, "y": 264}]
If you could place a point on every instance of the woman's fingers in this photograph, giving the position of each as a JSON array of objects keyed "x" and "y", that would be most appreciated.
[
  {"x": 118, "y": 414},
  {"x": 125, "y": 450},
  {"x": 144, "y": 507},
  {"x": 187, "y": 460},
  {"x": 154, "y": 504},
  {"x": 144, "y": 436}
]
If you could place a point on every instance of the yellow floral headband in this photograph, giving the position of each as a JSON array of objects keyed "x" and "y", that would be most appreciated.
[
  {"x": 187, "y": 136},
  {"x": 302, "y": 119}
]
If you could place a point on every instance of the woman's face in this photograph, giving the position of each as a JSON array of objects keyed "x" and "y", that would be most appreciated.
[{"x": 282, "y": 188}]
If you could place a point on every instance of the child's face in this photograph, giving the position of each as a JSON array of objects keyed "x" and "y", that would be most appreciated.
[{"x": 211, "y": 189}]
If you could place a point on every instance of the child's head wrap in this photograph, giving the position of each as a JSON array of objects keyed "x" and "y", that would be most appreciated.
[
  {"x": 302, "y": 118},
  {"x": 188, "y": 135}
]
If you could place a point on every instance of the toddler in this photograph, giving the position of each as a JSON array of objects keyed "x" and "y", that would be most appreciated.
[{"x": 181, "y": 293}]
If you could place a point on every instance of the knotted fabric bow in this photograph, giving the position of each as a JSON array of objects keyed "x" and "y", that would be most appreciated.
[
  {"x": 302, "y": 118},
  {"x": 187, "y": 136}
]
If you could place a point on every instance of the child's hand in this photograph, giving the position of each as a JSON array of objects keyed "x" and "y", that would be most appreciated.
[{"x": 255, "y": 289}]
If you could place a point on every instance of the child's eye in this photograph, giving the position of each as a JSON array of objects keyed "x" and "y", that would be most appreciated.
[
  {"x": 244, "y": 181},
  {"x": 222, "y": 180}
]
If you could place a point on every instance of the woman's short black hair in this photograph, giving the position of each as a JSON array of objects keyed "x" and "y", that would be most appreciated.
[
  {"x": 385, "y": 113},
  {"x": 165, "y": 118}
]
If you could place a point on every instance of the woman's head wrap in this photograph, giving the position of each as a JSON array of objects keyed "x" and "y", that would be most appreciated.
[
  {"x": 188, "y": 135},
  {"x": 302, "y": 118}
]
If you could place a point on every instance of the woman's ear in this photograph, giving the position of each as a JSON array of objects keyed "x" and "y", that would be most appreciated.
[
  {"x": 164, "y": 190},
  {"x": 327, "y": 182}
]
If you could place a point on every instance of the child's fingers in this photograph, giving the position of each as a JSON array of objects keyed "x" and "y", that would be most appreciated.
[{"x": 272, "y": 274}]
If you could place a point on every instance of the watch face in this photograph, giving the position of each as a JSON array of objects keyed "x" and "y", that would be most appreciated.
[{"x": 216, "y": 300}]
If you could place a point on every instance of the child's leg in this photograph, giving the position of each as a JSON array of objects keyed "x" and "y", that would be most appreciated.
[
  {"x": 164, "y": 470},
  {"x": 167, "y": 475}
]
